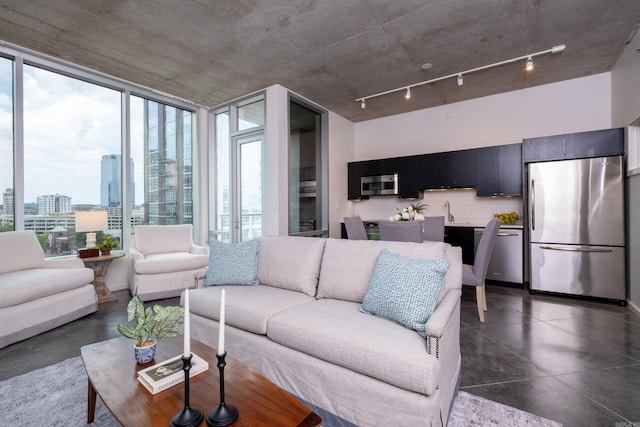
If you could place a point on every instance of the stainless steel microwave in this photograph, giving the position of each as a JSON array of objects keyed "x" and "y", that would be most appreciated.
[{"x": 379, "y": 185}]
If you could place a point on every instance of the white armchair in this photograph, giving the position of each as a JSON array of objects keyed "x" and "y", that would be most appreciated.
[{"x": 164, "y": 260}]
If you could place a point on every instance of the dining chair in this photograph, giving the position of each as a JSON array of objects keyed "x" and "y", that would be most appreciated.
[
  {"x": 475, "y": 275},
  {"x": 433, "y": 228},
  {"x": 355, "y": 228},
  {"x": 401, "y": 231}
]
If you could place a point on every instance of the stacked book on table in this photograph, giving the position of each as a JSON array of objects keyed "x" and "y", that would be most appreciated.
[{"x": 166, "y": 374}]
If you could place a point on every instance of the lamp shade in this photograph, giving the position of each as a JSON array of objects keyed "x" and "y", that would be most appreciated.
[{"x": 91, "y": 221}]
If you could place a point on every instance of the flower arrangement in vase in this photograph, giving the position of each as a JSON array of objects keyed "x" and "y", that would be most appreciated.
[{"x": 411, "y": 212}]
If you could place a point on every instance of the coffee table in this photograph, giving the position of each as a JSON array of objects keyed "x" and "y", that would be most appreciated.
[{"x": 112, "y": 370}]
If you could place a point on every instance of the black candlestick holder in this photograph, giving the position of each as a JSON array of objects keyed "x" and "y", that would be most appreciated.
[
  {"x": 188, "y": 417},
  {"x": 223, "y": 414}
]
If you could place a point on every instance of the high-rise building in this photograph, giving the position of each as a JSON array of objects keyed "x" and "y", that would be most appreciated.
[
  {"x": 8, "y": 203},
  {"x": 111, "y": 181},
  {"x": 50, "y": 203},
  {"x": 168, "y": 165}
]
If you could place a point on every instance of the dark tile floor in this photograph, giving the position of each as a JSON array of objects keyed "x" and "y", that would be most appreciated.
[{"x": 572, "y": 361}]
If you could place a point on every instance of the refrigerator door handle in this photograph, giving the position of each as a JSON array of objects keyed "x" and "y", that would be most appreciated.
[
  {"x": 533, "y": 204},
  {"x": 572, "y": 249},
  {"x": 508, "y": 234}
]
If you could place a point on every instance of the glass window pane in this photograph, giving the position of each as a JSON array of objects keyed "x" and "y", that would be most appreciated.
[
  {"x": 6, "y": 145},
  {"x": 305, "y": 203},
  {"x": 161, "y": 151},
  {"x": 251, "y": 115},
  {"x": 72, "y": 146},
  {"x": 251, "y": 189},
  {"x": 222, "y": 226}
]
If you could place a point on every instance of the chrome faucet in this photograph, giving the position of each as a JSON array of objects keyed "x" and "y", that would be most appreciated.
[{"x": 449, "y": 216}]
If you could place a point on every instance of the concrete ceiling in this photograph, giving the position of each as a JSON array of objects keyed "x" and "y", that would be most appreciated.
[{"x": 330, "y": 51}]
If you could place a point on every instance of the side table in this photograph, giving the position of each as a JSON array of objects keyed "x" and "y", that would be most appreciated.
[{"x": 100, "y": 265}]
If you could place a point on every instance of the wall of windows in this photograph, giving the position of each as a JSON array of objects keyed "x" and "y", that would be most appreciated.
[
  {"x": 63, "y": 131},
  {"x": 7, "y": 220}
]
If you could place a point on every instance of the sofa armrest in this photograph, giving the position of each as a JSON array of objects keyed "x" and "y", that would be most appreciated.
[
  {"x": 136, "y": 255},
  {"x": 63, "y": 262},
  {"x": 444, "y": 321},
  {"x": 199, "y": 250}
]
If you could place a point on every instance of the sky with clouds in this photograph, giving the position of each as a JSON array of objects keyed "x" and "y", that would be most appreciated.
[{"x": 69, "y": 125}]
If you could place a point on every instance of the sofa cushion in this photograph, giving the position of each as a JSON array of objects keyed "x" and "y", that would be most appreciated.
[
  {"x": 170, "y": 262},
  {"x": 290, "y": 262},
  {"x": 337, "y": 332},
  {"x": 404, "y": 290},
  {"x": 347, "y": 265},
  {"x": 20, "y": 250},
  {"x": 232, "y": 263},
  {"x": 22, "y": 286},
  {"x": 246, "y": 307},
  {"x": 157, "y": 239}
]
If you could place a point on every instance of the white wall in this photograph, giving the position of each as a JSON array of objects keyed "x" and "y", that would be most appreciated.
[
  {"x": 625, "y": 109},
  {"x": 625, "y": 86},
  {"x": 571, "y": 106},
  {"x": 275, "y": 157},
  {"x": 341, "y": 147}
]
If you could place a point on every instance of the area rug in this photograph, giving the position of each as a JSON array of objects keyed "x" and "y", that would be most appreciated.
[{"x": 57, "y": 396}]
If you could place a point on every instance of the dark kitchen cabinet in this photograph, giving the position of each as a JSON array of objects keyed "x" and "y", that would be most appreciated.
[
  {"x": 452, "y": 169},
  {"x": 409, "y": 177},
  {"x": 354, "y": 172},
  {"x": 379, "y": 167},
  {"x": 464, "y": 238},
  {"x": 499, "y": 171},
  {"x": 606, "y": 142}
]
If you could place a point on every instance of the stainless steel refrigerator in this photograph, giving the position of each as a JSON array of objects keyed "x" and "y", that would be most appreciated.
[{"x": 576, "y": 227}]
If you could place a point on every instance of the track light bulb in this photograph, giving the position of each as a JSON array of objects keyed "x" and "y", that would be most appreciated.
[
  {"x": 408, "y": 94},
  {"x": 460, "y": 80},
  {"x": 363, "y": 105},
  {"x": 529, "y": 64}
]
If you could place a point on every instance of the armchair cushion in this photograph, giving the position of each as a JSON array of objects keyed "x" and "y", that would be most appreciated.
[
  {"x": 22, "y": 286},
  {"x": 232, "y": 263},
  {"x": 169, "y": 263},
  {"x": 156, "y": 239},
  {"x": 405, "y": 290}
]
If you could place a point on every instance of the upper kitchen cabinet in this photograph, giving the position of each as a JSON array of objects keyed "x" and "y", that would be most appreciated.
[
  {"x": 409, "y": 177},
  {"x": 354, "y": 172},
  {"x": 606, "y": 142},
  {"x": 499, "y": 171},
  {"x": 453, "y": 169}
]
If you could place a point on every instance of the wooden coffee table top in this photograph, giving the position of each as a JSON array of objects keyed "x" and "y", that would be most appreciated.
[{"x": 112, "y": 372}]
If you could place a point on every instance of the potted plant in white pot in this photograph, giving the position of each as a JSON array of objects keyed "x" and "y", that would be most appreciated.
[{"x": 151, "y": 325}]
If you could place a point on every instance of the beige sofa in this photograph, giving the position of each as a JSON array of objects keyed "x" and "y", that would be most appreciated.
[
  {"x": 164, "y": 260},
  {"x": 37, "y": 293},
  {"x": 301, "y": 327}
]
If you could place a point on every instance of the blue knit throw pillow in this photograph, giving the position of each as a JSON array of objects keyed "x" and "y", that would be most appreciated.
[
  {"x": 405, "y": 290},
  {"x": 232, "y": 263}
]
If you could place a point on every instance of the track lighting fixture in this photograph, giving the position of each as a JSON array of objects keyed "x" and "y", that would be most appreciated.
[
  {"x": 407, "y": 89},
  {"x": 529, "y": 64},
  {"x": 363, "y": 105}
]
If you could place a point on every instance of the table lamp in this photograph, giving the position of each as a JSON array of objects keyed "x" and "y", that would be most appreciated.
[{"x": 90, "y": 222}]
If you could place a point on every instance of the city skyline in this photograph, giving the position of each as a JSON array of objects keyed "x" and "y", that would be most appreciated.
[{"x": 69, "y": 126}]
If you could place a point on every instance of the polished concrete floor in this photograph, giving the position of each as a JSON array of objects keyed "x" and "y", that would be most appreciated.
[{"x": 568, "y": 360}]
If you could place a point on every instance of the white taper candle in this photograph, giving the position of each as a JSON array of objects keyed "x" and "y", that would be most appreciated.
[
  {"x": 221, "y": 330},
  {"x": 187, "y": 325}
]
